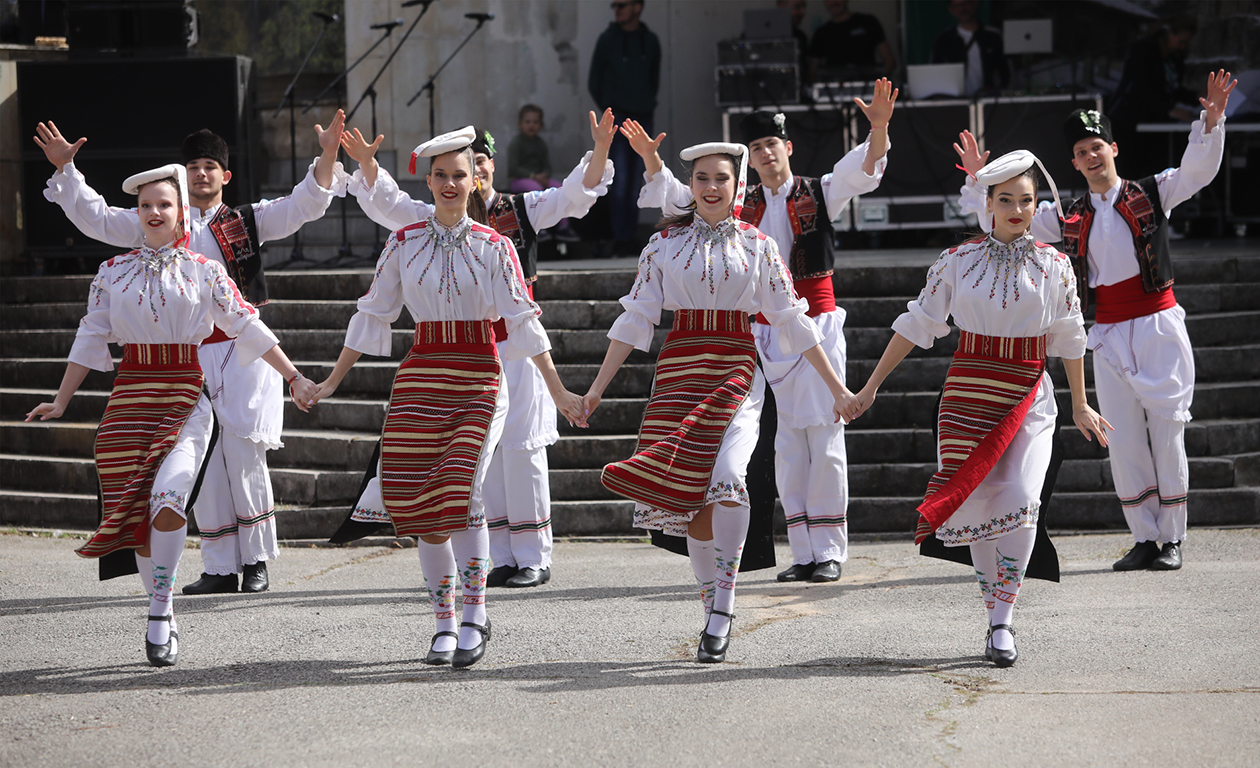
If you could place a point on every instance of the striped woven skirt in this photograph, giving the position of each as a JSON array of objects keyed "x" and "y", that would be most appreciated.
[
  {"x": 440, "y": 413},
  {"x": 704, "y": 373},
  {"x": 155, "y": 391},
  {"x": 989, "y": 388}
]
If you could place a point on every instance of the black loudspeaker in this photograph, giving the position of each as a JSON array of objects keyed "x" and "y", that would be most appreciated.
[
  {"x": 135, "y": 114},
  {"x": 763, "y": 86},
  {"x": 1035, "y": 124},
  {"x": 922, "y": 158},
  {"x": 122, "y": 27}
]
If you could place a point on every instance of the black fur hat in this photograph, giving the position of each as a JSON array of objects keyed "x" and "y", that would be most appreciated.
[
  {"x": 201, "y": 144},
  {"x": 1086, "y": 124},
  {"x": 484, "y": 143},
  {"x": 759, "y": 125}
]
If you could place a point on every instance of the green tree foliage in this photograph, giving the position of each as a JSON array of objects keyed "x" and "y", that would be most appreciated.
[{"x": 275, "y": 33}]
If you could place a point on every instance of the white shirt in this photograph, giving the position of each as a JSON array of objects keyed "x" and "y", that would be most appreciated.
[
  {"x": 387, "y": 205},
  {"x": 1112, "y": 258},
  {"x": 733, "y": 267},
  {"x": 466, "y": 272},
  {"x": 88, "y": 211},
  {"x": 167, "y": 296},
  {"x": 1016, "y": 290}
]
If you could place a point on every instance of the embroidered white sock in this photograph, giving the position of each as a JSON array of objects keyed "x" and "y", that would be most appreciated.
[
  {"x": 438, "y": 565},
  {"x": 701, "y": 556},
  {"x": 472, "y": 557},
  {"x": 1013, "y": 552},
  {"x": 165, "y": 550},
  {"x": 730, "y": 528}
]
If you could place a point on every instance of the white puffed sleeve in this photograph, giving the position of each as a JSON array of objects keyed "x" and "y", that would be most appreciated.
[
  {"x": 778, "y": 303},
  {"x": 665, "y": 192},
  {"x": 644, "y": 302},
  {"x": 547, "y": 207},
  {"x": 91, "y": 342},
  {"x": 848, "y": 180},
  {"x": 385, "y": 203},
  {"x": 279, "y": 218},
  {"x": 369, "y": 329},
  {"x": 89, "y": 212},
  {"x": 924, "y": 319},
  {"x": 972, "y": 198},
  {"x": 236, "y": 317},
  {"x": 1199, "y": 164},
  {"x": 526, "y": 336},
  {"x": 1066, "y": 335}
]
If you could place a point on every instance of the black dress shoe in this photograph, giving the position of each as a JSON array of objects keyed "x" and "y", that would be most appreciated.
[
  {"x": 499, "y": 576},
  {"x": 712, "y": 648},
  {"x": 1000, "y": 657},
  {"x": 1169, "y": 558},
  {"x": 211, "y": 585},
  {"x": 1139, "y": 558},
  {"x": 254, "y": 578},
  {"x": 800, "y": 572},
  {"x": 467, "y": 657},
  {"x": 828, "y": 571},
  {"x": 162, "y": 655},
  {"x": 438, "y": 658},
  {"x": 530, "y": 577}
]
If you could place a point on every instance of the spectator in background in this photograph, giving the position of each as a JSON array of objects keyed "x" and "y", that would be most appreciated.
[
  {"x": 850, "y": 41},
  {"x": 977, "y": 47},
  {"x": 529, "y": 165},
  {"x": 797, "y": 9},
  {"x": 625, "y": 75}
]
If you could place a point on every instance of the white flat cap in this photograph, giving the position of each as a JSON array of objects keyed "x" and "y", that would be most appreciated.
[
  {"x": 133, "y": 183},
  {"x": 440, "y": 145},
  {"x": 712, "y": 148},
  {"x": 1012, "y": 164}
]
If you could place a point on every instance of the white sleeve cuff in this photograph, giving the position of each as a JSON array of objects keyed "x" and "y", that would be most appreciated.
[
  {"x": 526, "y": 339},
  {"x": 91, "y": 351},
  {"x": 798, "y": 334},
  {"x": 1069, "y": 344},
  {"x": 634, "y": 329},
  {"x": 369, "y": 335},
  {"x": 916, "y": 326},
  {"x": 254, "y": 341}
]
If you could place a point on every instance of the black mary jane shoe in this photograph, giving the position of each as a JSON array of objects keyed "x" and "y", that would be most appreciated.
[
  {"x": 498, "y": 576},
  {"x": 712, "y": 648},
  {"x": 1000, "y": 657},
  {"x": 162, "y": 655},
  {"x": 798, "y": 572},
  {"x": 466, "y": 657},
  {"x": 254, "y": 577},
  {"x": 438, "y": 658}
]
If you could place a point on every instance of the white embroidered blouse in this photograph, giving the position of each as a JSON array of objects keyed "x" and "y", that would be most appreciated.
[
  {"x": 465, "y": 272},
  {"x": 733, "y": 266},
  {"x": 165, "y": 296},
  {"x": 1014, "y": 290}
]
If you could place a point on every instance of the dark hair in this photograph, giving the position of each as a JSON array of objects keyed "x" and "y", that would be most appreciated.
[
  {"x": 689, "y": 212},
  {"x": 525, "y": 110},
  {"x": 1030, "y": 174},
  {"x": 476, "y": 206}
]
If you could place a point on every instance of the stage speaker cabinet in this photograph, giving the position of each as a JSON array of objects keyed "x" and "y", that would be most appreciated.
[
  {"x": 757, "y": 52},
  {"x": 758, "y": 86},
  {"x": 1034, "y": 123},
  {"x": 922, "y": 136},
  {"x": 130, "y": 27},
  {"x": 129, "y": 129}
]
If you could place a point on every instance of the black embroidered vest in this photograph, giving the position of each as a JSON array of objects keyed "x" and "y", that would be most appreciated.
[
  {"x": 813, "y": 245},
  {"x": 509, "y": 218},
  {"x": 1139, "y": 205},
  {"x": 236, "y": 231}
]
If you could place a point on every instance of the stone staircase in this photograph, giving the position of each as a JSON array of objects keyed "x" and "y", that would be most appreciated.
[{"x": 47, "y": 477}]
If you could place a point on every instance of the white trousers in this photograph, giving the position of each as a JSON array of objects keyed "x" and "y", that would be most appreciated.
[
  {"x": 811, "y": 469},
  {"x": 236, "y": 510},
  {"x": 517, "y": 496},
  {"x": 1148, "y": 459}
]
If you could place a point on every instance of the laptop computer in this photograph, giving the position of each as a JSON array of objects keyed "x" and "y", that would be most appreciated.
[
  {"x": 927, "y": 80},
  {"x": 772, "y": 24}
]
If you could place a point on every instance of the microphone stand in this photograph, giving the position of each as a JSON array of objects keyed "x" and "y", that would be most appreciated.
[
  {"x": 296, "y": 254},
  {"x": 371, "y": 89},
  {"x": 432, "y": 79}
]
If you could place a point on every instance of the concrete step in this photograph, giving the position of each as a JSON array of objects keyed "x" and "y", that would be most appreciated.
[
  {"x": 316, "y": 487},
  {"x": 1218, "y": 297}
]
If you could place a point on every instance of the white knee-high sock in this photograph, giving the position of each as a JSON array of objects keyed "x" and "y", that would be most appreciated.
[
  {"x": 438, "y": 565},
  {"x": 472, "y": 557},
  {"x": 730, "y": 528},
  {"x": 701, "y": 555},
  {"x": 984, "y": 560},
  {"x": 146, "y": 573},
  {"x": 165, "y": 550},
  {"x": 1000, "y": 565}
]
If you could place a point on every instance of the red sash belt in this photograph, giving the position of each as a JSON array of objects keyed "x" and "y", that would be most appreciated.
[
  {"x": 988, "y": 391},
  {"x": 216, "y": 337},
  {"x": 820, "y": 292},
  {"x": 453, "y": 332},
  {"x": 500, "y": 325},
  {"x": 704, "y": 373},
  {"x": 1128, "y": 300}
]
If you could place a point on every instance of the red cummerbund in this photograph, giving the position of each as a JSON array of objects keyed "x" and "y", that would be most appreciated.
[
  {"x": 1127, "y": 300},
  {"x": 500, "y": 327},
  {"x": 216, "y": 337},
  {"x": 820, "y": 292}
]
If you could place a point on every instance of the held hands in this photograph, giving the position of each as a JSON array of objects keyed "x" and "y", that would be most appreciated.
[
  {"x": 846, "y": 406},
  {"x": 643, "y": 145},
  {"x": 572, "y": 407},
  {"x": 969, "y": 152},
  {"x": 880, "y": 110},
  {"x": 604, "y": 129},
  {"x": 324, "y": 389},
  {"x": 56, "y": 148},
  {"x": 357, "y": 147},
  {"x": 46, "y": 411},
  {"x": 1219, "y": 86},
  {"x": 865, "y": 399},
  {"x": 330, "y": 139},
  {"x": 590, "y": 401},
  {"x": 303, "y": 392},
  {"x": 1088, "y": 420}
]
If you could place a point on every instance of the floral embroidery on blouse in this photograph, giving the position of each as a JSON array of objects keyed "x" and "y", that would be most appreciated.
[
  {"x": 169, "y": 499},
  {"x": 645, "y": 265},
  {"x": 726, "y": 491},
  {"x": 725, "y": 242},
  {"x": 147, "y": 266},
  {"x": 447, "y": 244},
  {"x": 1007, "y": 266}
]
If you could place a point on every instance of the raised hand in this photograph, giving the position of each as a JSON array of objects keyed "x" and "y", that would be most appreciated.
[
  {"x": 972, "y": 160},
  {"x": 46, "y": 411},
  {"x": 880, "y": 110},
  {"x": 604, "y": 129},
  {"x": 1089, "y": 421},
  {"x": 358, "y": 148},
  {"x": 1219, "y": 86},
  {"x": 56, "y": 148},
  {"x": 330, "y": 139},
  {"x": 643, "y": 145}
]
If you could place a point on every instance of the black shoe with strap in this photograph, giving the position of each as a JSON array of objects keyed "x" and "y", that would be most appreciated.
[
  {"x": 712, "y": 648},
  {"x": 254, "y": 577},
  {"x": 1000, "y": 657},
  {"x": 466, "y": 657},
  {"x": 1139, "y": 558},
  {"x": 162, "y": 655},
  {"x": 438, "y": 658}
]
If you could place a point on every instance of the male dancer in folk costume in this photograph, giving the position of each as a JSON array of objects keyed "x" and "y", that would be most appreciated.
[
  {"x": 448, "y": 403},
  {"x": 159, "y": 301},
  {"x": 517, "y": 493},
  {"x": 236, "y": 510},
  {"x": 1117, "y": 238},
  {"x": 811, "y": 465}
]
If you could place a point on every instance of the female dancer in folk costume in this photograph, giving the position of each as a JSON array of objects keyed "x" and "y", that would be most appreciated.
[
  {"x": 448, "y": 404},
  {"x": 517, "y": 494},
  {"x": 160, "y": 302},
  {"x": 1015, "y": 302},
  {"x": 687, "y": 475}
]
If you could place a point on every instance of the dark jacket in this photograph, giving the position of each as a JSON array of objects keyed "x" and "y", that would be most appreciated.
[
  {"x": 626, "y": 70},
  {"x": 949, "y": 48},
  {"x": 1150, "y": 86}
]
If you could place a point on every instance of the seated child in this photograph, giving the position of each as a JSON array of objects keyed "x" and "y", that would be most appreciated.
[{"x": 529, "y": 165}]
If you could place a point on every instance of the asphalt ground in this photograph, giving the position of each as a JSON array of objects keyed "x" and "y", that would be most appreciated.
[{"x": 883, "y": 668}]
